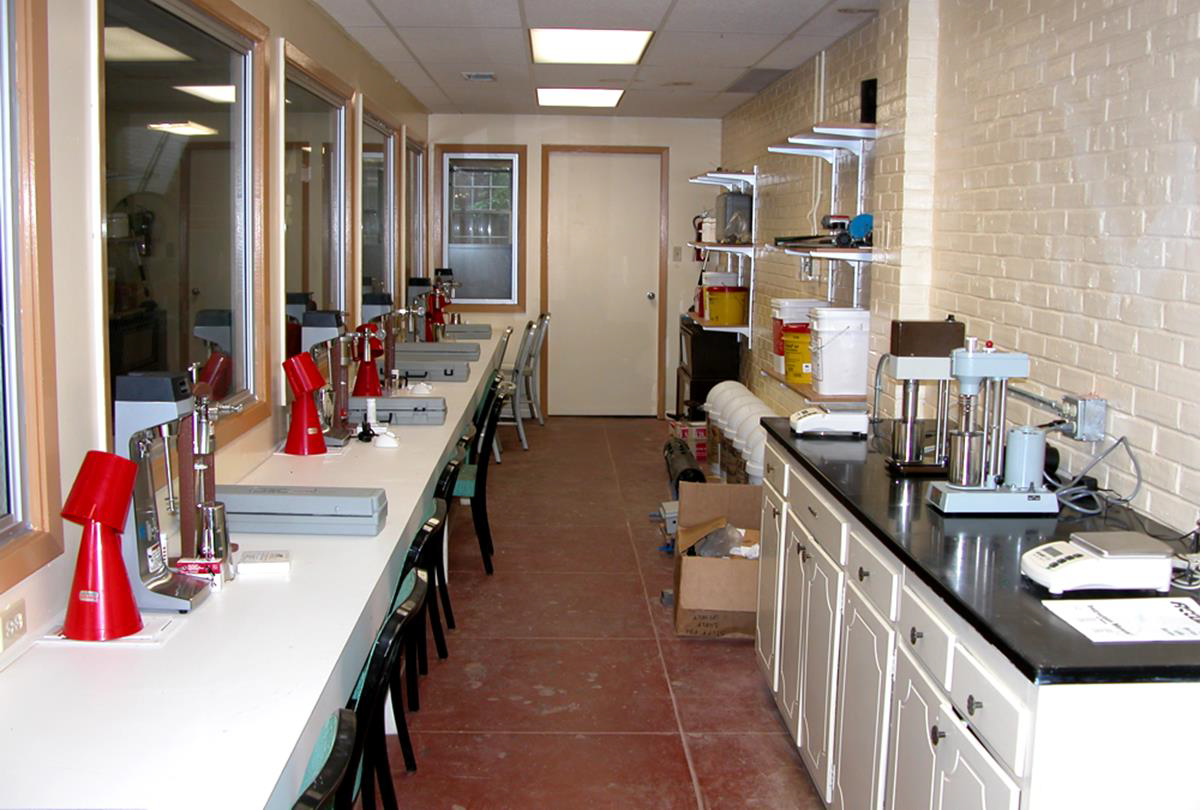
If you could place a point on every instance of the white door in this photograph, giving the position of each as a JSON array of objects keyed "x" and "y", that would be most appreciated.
[
  {"x": 864, "y": 704},
  {"x": 602, "y": 270},
  {"x": 967, "y": 776},
  {"x": 766, "y": 636},
  {"x": 913, "y": 757},
  {"x": 794, "y": 552},
  {"x": 824, "y": 583}
]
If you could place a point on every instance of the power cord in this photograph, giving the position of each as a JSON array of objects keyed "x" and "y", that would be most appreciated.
[{"x": 1076, "y": 497}]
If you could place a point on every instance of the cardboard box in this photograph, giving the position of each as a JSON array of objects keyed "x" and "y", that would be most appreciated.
[
  {"x": 716, "y": 596},
  {"x": 693, "y": 434}
]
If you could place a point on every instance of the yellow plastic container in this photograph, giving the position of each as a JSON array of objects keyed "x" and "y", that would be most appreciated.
[
  {"x": 797, "y": 353},
  {"x": 726, "y": 306}
]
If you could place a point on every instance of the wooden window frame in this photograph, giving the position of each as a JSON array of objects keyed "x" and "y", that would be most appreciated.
[
  {"x": 26, "y": 553},
  {"x": 396, "y": 132},
  {"x": 439, "y": 152},
  {"x": 314, "y": 71}
]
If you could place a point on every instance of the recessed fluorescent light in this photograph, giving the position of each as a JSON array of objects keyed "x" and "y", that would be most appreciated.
[
  {"x": 216, "y": 93},
  {"x": 588, "y": 46},
  {"x": 182, "y": 128},
  {"x": 578, "y": 97},
  {"x": 123, "y": 44}
]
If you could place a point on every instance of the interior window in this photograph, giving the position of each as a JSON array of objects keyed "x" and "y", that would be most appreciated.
[
  {"x": 378, "y": 208},
  {"x": 414, "y": 206},
  {"x": 9, "y": 459},
  {"x": 480, "y": 226},
  {"x": 314, "y": 197},
  {"x": 178, "y": 208}
]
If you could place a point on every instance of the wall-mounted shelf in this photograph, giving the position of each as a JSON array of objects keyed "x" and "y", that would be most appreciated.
[
  {"x": 741, "y": 250},
  {"x": 743, "y": 329},
  {"x": 847, "y": 130},
  {"x": 729, "y": 180},
  {"x": 810, "y": 393},
  {"x": 831, "y": 141},
  {"x": 830, "y": 253}
]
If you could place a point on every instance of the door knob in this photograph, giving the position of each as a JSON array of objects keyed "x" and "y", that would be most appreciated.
[{"x": 650, "y": 296}]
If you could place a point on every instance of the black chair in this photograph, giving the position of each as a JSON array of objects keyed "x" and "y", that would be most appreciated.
[
  {"x": 472, "y": 478},
  {"x": 370, "y": 741},
  {"x": 425, "y": 557},
  {"x": 338, "y": 737},
  {"x": 444, "y": 491}
]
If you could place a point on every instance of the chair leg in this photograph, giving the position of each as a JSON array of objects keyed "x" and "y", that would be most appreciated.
[
  {"x": 439, "y": 576},
  {"x": 367, "y": 781},
  {"x": 406, "y": 746},
  {"x": 422, "y": 645},
  {"x": 496, "y": 449},
  {"x": 411, "y": 673},
  {"x": 383, "y": 769},
  {"x": 536, "y": 399},
  {"x": 435, "y": 622},
  {"x": 516, "y": 409},
  {"x": 482, "y": 530}
]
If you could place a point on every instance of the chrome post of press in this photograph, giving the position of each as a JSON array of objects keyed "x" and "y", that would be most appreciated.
[
  {"x": 168, "y": 431},
  {"x": 941, "y": 439}
]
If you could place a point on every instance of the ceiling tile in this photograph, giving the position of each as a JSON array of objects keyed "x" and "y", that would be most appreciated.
[
  {"x": 351, "y": 12},
  {"x": 675, "y": 104},
  {"x": 381, "y": 43},
  {"x": 451, "y": 13},
  {"x": 758, "y": 17},
  {"x": 506, "y": 76},
  {"x": 834, "y": 24},
  {"x": 795, "y": 52},
  {"x": 410, "y": 74},
  {"x": 713, "y": 50},
  {"x": 626, "y": 14},
  {"x": 482, "y": 101},
  {"x": 724, "y": 103},
  {"x": 583, "y": 75},
  {"x": 431, "y": 97},
  {"x": 659, "y": 77},
  {"x": 473, "y": 48}
]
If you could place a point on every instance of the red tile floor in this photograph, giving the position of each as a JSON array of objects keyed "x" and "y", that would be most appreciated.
[{"x": 566, "y": 686}]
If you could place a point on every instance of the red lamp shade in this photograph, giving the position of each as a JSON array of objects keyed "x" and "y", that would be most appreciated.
[
  {"x": 218, "y": 373},
  {"x": 366, "y": 349},
  {"x": 100, "y": 605},
  {"x": 304, "y": 433}
]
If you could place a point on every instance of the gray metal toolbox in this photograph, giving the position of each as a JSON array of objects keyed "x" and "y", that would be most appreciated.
[
  {"x": 438, "y": 370},
  {"x": 303, "y": 510},
  {"x": 401, "y": 409},
  {"x": 442, "y": 350},
  {"x": 476, "y": 331}
]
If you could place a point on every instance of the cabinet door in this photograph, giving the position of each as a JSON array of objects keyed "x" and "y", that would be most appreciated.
[
  {"x": 823, "y": 584},
  {"x": 912, "y": 757},
  {"x": 968, "y": 778},
  {"x": 864, "y": 705},
  {"x": 770, "y": 572},
  {"x": 795, "y": 555}
]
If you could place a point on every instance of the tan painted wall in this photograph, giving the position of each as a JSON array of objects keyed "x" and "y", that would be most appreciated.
[
  {"x": 76, "y": 173},
  {"x": 694, "y": 145}
]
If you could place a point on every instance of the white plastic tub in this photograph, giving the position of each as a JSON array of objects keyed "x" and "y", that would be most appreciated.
[{"x": 840, "y": 339}]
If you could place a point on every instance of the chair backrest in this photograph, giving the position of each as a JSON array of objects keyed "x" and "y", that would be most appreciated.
[
  {"x": 534, "y": 359},
  {"x": 338, "y": 736},
  {"x": 368, "y": 707},
  {"x": 489, "y": 433},
  {"x": 481, "y": 416},
  {"x": 420, "y": 548},
  {"x": 503, "y": 346},
  {"x": 525, "y": 349},
  {"x": 444, "y": 488}
]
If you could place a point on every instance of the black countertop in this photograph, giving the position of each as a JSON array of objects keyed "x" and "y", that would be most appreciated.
[{"x": 973, "y": 563}]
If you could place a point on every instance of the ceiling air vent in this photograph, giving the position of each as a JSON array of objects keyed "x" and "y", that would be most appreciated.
[
  {"x": 754, "y": 80},
  {"x": 479, "y": 76}
]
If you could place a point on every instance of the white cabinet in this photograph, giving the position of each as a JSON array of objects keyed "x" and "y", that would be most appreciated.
[
  {"x": 864, "y": 705},
  {"x": 912, "y": 756},
  {"x": 823, "y": 585},
  {"x": 968, "y": 778},
  {"x": 796, "y": 555},
  {"x": 770, "y": 573}
]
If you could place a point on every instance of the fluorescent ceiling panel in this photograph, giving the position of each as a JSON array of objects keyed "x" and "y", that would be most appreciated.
[
  {"x": 182, "y": 128},
  {"x": 587, "y": 46},
  {"x": 123, "y": 44},
  {"x": 577, "y": 97},
  {"x": 216, "y": 93}
]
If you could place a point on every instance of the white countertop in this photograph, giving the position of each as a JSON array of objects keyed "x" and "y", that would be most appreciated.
[{"x": 225, "y": 712}]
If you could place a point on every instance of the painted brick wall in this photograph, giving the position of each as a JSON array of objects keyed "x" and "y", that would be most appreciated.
[
  {"x": 794, "y": 191},
  {"x": 1066, "y": 217}
]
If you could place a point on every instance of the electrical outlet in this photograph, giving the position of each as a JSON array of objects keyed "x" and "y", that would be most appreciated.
[
  {"x": 677, "y": 254},
  {"x": 12, "y": 624}
]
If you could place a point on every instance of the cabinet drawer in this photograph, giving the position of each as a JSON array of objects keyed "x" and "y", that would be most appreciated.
[
  {"x": 925, "y": 636},
  {"x": 824, "y": 521},
  {"x": 877, "y": 577},
  {"x": 775, "y": 470},
  {"x": 996, "y": 714}
]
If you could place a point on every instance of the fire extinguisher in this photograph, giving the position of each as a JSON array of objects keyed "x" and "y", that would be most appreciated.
[{"x": 697, "y": 226}]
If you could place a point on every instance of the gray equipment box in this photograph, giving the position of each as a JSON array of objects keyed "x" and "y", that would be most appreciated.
[
  {"x": 401, "y": 409},
  {"x": 304, "y": 510},
  {"x": 472, "y": 331},
  {"x": 433, "y": 370},
  {"x": 443, "y": 350}
]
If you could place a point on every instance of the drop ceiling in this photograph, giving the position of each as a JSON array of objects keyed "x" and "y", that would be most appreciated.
[{"x": 700, "y": 49}]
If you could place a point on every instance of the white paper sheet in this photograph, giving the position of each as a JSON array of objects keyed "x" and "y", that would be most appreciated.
[{"x": 1129, "y": 620}]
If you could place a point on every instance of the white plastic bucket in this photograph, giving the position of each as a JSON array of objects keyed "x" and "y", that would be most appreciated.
[
  {"x": 745, "y": 429},
  {"x": 840, "y": 338},
  {"x": 721, "y": 393},
  {"x": 754, "y": 473},
  {"x": 789, "y": 310},
  {"x": 735, "y": 410}
]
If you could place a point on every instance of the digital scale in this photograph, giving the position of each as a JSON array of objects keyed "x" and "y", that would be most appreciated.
[
  {"x": 1116, "y": 561},
  {"x": 819, "y": 422}
]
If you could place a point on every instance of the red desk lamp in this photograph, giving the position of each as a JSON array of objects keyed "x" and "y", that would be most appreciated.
[
  {"x": 366, "y": 348},
  {"x": 304, "y": 434},
  {"x": 100, "y": 605}
]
